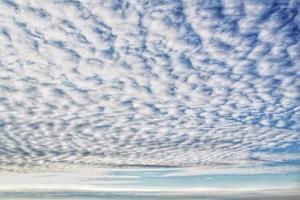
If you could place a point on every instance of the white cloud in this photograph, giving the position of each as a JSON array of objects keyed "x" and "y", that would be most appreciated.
[{"x": 134, "y": 83}]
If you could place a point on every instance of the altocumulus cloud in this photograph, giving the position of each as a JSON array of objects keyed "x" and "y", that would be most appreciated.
[{"x": 158, "y": 82}]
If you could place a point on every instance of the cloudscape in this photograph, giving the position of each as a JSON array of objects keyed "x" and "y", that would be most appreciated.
[{"x": 189, "y": 94}]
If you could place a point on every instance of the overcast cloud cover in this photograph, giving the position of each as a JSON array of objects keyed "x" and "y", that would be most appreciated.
[{"x": 152, "y": 82}]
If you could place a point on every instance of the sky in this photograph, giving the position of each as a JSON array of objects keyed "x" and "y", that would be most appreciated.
[
  {"x": 205, "y": 87},
  {"x": 148, "y": 183}
]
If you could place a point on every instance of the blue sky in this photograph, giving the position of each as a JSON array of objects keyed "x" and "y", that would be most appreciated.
[
  {"x": 164, "y": 180},
  {"x": 211, "y": 85}
]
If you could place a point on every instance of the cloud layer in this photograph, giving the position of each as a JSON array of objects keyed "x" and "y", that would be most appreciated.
[{"x": 172, "y": 83}]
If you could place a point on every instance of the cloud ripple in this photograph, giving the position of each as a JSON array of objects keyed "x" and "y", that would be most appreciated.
[{"x": 172, "y": 83}]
